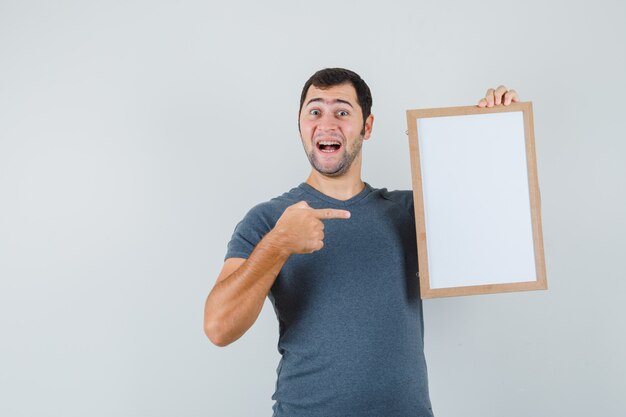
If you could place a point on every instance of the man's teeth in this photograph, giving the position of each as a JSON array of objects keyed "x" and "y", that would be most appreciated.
[{"x": 328, "y": 145}]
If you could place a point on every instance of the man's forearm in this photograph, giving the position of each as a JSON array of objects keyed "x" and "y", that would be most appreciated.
[{"x": 236, "y": 301}]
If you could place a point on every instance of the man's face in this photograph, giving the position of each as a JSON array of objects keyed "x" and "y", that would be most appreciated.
[{"x": 332, "y": 129}]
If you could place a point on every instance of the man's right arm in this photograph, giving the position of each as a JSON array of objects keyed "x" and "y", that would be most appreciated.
[{"x": 237, "y": 298}]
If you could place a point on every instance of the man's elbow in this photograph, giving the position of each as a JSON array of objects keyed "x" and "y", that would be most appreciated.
[{"x": 215, "y": 334}]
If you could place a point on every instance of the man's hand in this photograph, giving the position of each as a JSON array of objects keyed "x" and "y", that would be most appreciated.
[
  {"x": 498, "y": 96},
  {"x": 300, "y": 228}
]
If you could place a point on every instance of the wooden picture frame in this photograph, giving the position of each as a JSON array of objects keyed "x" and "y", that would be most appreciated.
[{"x": 477, "y": 200}]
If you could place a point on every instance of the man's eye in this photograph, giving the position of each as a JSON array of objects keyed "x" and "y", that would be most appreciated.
[
  {"x": 314, "y": 112},
  {"x": 342, "y": 113}
]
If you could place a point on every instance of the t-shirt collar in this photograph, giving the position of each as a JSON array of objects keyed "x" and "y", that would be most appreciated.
[{"x": 337, "y": 203}]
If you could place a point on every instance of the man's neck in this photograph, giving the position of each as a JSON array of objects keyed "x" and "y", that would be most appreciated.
[{"x": 341, "y": 188}]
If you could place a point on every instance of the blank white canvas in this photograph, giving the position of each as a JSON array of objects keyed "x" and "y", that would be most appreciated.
[{"x": 476, "y": 198}]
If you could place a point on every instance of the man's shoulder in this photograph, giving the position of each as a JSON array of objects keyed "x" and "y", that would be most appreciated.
[
  {"x": 259, "y": 220},
  {"x": 273, "y": 208},
  {"x": 401, "y": 197}
]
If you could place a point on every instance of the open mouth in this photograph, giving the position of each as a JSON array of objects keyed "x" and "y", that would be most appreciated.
[{"x": 328, "y": 146}]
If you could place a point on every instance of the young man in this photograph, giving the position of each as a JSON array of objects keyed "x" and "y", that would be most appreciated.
[{"x": 337, "y": 258}]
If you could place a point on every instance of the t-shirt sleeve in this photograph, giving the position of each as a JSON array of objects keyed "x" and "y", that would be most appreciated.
[
  {"x": 249, "y": 232},
  {"x": 403, "y": 198},
  {"x": 407, "y": 198}
]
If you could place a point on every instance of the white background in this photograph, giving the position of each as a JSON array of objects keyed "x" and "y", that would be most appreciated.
[{"x": 134, "y": 135}]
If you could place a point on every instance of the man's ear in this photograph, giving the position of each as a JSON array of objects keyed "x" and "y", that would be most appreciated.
[{"x": 369, "y": 124}]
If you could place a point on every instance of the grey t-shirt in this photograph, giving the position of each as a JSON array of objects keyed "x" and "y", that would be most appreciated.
[{"x": 350, "y": 315}]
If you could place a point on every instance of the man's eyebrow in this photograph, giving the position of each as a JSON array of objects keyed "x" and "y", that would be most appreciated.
[{"x": 337, "y": 100}]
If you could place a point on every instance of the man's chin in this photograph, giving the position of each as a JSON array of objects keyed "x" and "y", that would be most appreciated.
[
  {"x": 332, "y": 174},
  {"x": 331, "y": 168},
  {"x": 335, "y": 171}
]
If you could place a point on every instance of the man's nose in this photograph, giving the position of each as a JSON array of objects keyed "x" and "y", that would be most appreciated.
[{"x": 328, "y": 121}]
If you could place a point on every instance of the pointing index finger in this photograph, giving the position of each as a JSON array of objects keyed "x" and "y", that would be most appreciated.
[{"x": 325, "y": 214}]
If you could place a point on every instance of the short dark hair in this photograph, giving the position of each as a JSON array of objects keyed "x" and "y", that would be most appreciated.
[{"x": 330, "y": 77}]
